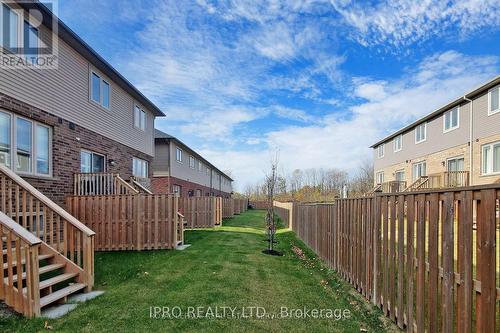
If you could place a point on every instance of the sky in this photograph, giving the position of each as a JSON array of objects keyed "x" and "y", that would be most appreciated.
[{"x": 317, "y": 81}]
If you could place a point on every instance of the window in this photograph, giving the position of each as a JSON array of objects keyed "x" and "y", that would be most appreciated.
[
  {"x": 24, "y": 145},
  {"x": 10, "y": 29},
  {"x": 491, "y": 159},
  {"x": 381, "y": 151},
  {"x": 494, "y": 100},
  {"x": 176, "y": 189},
  {"x": 139, "y": 168},
  {"x": 379, "y": 177},
  {"x": 208, "y": 171},
  {"x": 91, "y": 162},
  {"x": 198, "y": 193},
  {"x": 419, "y": 170},
  {"x": 399, "y": 175},
  {"x": 200, "y": 166},
  {"x": 178, "y": 155},
  {"x": 451, "y": 120},
  {"x": 100, "y": 90},
  {"x": 5, "y": 138},
  {"x": 421, "y": 133},
  {"x": 191, "y": 162},
  {"x": 398, "y": 143},
  {"x": 139, "y": 118},
  {"x": 30, "y": 42},
  {"x": 456, "y": 164}
]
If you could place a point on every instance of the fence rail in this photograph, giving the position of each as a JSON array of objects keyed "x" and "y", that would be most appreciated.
[
  {"x": 428, "y": 259},
  {"x": 129, "y": 222}
]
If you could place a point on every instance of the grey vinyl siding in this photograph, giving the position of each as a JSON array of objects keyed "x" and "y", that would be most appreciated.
[
  {"x": 484, "y": 125},
  {"x": 436, "y": 140},
  {"x": 183, "y": 171},
  {"x": 65, "y": 91},
  {"x": 160, "y": 165}
]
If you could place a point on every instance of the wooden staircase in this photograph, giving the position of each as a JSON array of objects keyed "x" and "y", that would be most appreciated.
[
  {"x": 47, "y": 254},
  {"x": 419, "y": 184}
]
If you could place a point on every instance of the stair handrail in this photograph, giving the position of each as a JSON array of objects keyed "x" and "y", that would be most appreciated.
[
  {"x": 17, "y": 229},
  {"x": 126, "y": 185},
  {"x": 45, "y": 200},
  {"x": 24, "y": 300},
  {"x": 140, "y": 186}
]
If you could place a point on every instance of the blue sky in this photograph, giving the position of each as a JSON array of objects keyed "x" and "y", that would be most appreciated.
[{"x": 320, "y": 81}]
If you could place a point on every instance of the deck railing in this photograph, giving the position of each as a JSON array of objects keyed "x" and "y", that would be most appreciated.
[
  {"x": 393, "y": 186},
  {"x": 101, "y": 184}
]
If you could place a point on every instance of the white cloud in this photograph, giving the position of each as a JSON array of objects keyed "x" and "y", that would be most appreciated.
[
  {"x": 403, "y": 22},
  {"x": 342, "y": 141}
]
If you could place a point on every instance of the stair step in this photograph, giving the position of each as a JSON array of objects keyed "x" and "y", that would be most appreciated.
[
  {"x": 42, "y": 270},
  {"x": 23, "y": 261},
  {"x": 56, "y": 279},
  {"x": 51, "y": 298}
]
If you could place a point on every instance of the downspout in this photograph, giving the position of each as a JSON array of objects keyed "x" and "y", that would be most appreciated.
[{"x": 471, "y": 159}]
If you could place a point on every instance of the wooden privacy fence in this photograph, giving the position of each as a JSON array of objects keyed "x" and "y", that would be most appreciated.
[
  {"x": 201, "y": 212},
  {"x": 258, "y": 204},
  {"x": 227, "y": 208},
  {"x": 429, "y": 260},
  {"x": 129, "y": 222}
]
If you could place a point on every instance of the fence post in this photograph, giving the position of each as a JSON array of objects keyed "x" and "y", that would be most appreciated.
[
  {"x": 139, "y": 219},
  {"x": 376, "y": 243}
]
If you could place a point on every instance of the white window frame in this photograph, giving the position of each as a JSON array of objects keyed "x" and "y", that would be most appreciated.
[
  {"x": 400, "y": 171},
  {"x": 487, "y": 170},
  {"x": 91, "y": 161},
  {"x": 101, "y": 90},
  {"x": 208, "y": 170},
  {"x": 380, "y": 176},
  {"x": 20, "y": 27},
  {"x": 178, "y": 188},
  {"x": 142, "y": 118},
  {"x": 191, "y": 158},
  {"x": 200, "y": 166},
  {"x": 414, "y": 178},
  {"x": 492, "y": 112},
  {"x": 34, "y": 152},
  {"x": 145, "y": 165},
  {"x": 381, "y": 148},
  {"x": 449, "y": 112},
  {"x": 178, "y": 155},
  {"x": 400, "y": 139},
  {"x": 425, "y": 133}
]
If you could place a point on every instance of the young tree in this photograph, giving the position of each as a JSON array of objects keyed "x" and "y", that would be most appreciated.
[{"x": 271, "y": 181}]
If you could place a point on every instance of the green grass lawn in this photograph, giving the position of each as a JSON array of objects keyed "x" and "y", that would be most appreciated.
[{"x": 224, "y": 267}]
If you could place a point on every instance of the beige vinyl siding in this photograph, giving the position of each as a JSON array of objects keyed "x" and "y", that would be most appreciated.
[
  {"x": 65, "y": 91},
  {"x": 484, "y": 125},
  {"x": 435, "y": 141}
]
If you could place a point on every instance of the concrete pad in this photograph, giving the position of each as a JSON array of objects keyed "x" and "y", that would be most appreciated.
[
  {"x": 58, "y": 311},
  {"x": 80, "y": 298},
  {"x": 182, "y": 247}
]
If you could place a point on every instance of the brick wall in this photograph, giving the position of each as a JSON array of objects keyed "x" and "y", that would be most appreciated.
[
  {"x": 164, "y": 185},
  {"x": 66, "y": 146}
]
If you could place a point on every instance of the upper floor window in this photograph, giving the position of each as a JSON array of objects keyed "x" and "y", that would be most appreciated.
[
  {"x": 191, "y": 162},
  {"x": 30, "y": 42},
  {"x": 421, "y": 133},
  {"x": 208, "y": 170},
  {"x": 379, "y": 177},
  {"x": 398, "y": 143},
  {"x": 10, "y": 29},
  {"x": 139, "y": 118},
  {"x": 91, "y": 162},
  {"x": 25, "y": 145},
  {"x": 494, "y": 100},
  {"x": 100, "y": 90},
  {"x": 178, "y": 155},
  {"x": 451, "y": 120},
  {"x": 139, "y": 168},
  {"x": 491, "y": 158},
  {"x": 200, "y": 166},
  {"x": 380, "y": 150}
]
